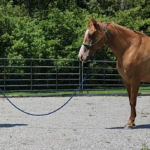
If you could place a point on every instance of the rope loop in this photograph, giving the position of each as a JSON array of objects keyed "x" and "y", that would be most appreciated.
[{"x": 89, "y": 71}]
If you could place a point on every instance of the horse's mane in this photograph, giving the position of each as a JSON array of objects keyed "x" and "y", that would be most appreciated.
[{"x": 131, "y": 32}]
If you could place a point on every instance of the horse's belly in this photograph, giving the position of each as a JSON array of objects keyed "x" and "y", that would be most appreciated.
[
  {"x": 145, "y": 79},
  {"x": 145, "y": 73},
  {"x": 140, "y": 72}
]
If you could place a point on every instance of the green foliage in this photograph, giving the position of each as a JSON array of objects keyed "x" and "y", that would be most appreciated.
[{"x": 54, "y": 29}]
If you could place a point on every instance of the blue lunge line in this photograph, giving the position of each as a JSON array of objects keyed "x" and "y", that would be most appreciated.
[{"x": 51, "y": 111}]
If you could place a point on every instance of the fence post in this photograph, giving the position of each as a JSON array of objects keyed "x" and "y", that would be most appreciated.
[
  {"x": 56, "y": 75},
  {"x": 104, "y": 78},
  {"x": 31, "y": 74},
  {"x": 4, "y": 73},
  {"x": 81, "y": 75}
]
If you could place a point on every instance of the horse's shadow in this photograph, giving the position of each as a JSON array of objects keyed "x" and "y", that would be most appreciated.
[
  {"x": 143, "y": 126},
  {"x": 11, "y": 125}
]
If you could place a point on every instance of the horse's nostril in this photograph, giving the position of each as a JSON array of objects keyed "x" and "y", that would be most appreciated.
[{"x": 84, "y": 59}]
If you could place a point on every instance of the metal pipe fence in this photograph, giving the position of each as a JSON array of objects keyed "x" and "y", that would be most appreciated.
[{"x": 56, "y": 75}]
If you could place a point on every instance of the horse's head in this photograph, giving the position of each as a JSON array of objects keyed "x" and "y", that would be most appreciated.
[{"x": 93, "y": 39}]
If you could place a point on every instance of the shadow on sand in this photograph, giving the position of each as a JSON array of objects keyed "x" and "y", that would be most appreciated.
[
  {"x": 11, "y": 125},
  {"x": 143, "y": 126}
]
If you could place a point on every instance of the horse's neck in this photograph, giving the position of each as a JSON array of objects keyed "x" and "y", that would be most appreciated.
[{"x": 120, "y": 40}]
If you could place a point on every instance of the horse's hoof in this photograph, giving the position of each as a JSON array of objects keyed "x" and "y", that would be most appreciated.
[
  {"x": 128, "y": 127},
  {"x": 133, "y": 124}
]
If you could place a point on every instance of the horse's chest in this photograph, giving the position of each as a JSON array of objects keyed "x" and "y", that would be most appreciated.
[{"x": 122, "y": 71}]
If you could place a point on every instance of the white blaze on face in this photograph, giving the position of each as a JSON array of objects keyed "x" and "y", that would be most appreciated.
[{"x": 82, "y": 51}]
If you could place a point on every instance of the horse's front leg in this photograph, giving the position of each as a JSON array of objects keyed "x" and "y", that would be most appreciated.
[{"x": 133, "y": 92}]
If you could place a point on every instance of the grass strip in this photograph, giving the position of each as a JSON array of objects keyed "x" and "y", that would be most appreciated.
[{"x": 104, "y": 91}]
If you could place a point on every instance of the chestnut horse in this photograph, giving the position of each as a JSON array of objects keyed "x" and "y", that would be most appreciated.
[{"x": 132, "y": 49}]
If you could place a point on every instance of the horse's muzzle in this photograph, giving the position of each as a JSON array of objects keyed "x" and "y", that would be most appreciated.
[{"x": 84, "y": 59}]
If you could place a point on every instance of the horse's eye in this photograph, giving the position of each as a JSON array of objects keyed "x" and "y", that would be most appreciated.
[{"x": 90, "y": 35}]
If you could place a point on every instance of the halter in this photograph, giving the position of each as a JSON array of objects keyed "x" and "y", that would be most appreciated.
[
  {"x": 106, "y": 32},
  {"x": 90, "y": 45}
]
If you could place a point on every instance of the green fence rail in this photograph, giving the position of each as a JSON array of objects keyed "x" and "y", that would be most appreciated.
[{"x": 56, "y": 75}]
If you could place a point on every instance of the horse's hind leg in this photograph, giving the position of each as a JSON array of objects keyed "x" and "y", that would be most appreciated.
[{"x": 132, "y": 89}]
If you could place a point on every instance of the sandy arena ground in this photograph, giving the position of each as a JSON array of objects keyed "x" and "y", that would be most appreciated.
[{"x": 85, "y": 123}]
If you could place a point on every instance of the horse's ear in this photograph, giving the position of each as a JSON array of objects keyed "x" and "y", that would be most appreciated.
[
  {"x": 89, "y": 20},
  {"x": 94, "y": 22}
]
